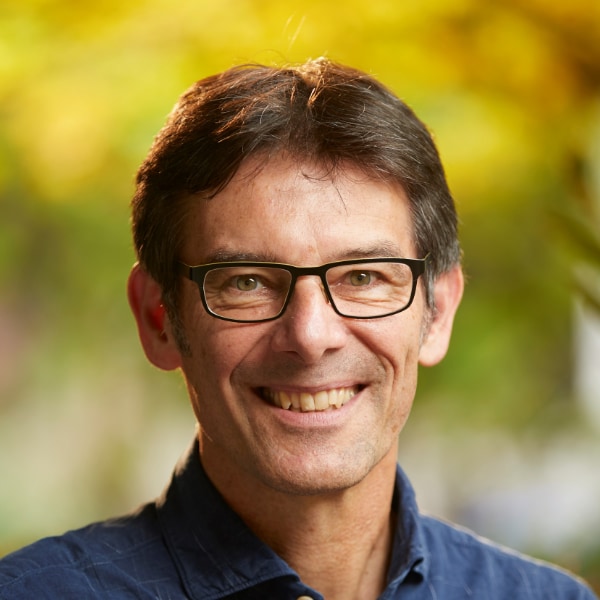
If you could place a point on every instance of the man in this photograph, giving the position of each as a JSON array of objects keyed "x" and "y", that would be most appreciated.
[{"x": 298, "y": 260}]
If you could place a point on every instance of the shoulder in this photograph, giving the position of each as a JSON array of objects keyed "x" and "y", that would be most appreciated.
[
  {"x": 458, "y": 556},
  {"x": 95, "y": 561}
]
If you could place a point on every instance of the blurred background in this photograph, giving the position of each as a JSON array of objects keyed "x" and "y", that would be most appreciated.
[{"x": 505, "y": 434}]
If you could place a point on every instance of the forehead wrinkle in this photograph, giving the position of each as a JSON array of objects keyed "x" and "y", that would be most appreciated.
[
  {"x": 315, "y": 195},
  {"x": 328, "y": 176}
]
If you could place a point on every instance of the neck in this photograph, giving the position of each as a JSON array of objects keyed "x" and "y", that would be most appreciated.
[{"x": 317, "y": 535}]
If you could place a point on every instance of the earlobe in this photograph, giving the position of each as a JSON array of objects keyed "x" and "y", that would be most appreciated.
[
  {"x": 448, "y": 293},
  {"x": 145, "y": 300}
]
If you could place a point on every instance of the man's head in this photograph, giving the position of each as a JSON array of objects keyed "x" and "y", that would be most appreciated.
[
  {"x": 318, "y": 112},
  {"x": 309, "y": 166}
]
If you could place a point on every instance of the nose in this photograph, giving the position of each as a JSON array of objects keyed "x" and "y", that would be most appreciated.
[{"x": 309, "y": 327}]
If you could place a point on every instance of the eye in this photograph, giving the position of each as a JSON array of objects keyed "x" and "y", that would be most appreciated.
[
  {"x": 360, "y": 278},
  {"x": 247, "y": 283}
]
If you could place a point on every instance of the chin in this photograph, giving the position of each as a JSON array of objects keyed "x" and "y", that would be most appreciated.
[{"x": 322, "y": 478}]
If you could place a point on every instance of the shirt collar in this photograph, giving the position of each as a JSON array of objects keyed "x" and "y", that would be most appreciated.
[
  {"x": 410, "y": 557},
  {"x": 217, "y": 554}
]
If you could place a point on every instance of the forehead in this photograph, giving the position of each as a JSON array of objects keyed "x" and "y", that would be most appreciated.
[{"x": 289, "y": 211}]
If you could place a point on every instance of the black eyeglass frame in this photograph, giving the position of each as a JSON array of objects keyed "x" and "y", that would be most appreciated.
[{"x": 197, "y": 274}]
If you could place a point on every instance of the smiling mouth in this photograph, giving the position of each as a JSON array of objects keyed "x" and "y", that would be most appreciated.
[{"x": 307, "y": 402}]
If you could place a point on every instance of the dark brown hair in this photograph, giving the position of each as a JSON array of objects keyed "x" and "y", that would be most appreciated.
[{"x": 319, "y": 111}]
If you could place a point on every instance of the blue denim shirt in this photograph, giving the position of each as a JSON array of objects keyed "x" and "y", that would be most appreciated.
[{"x": 190, "y": 544}]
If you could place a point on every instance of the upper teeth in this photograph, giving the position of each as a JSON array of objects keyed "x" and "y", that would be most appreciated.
[{"x": 305, "y": 402}]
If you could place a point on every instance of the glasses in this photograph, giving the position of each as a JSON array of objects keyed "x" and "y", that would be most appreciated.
[{"x": 251, "y": 292}]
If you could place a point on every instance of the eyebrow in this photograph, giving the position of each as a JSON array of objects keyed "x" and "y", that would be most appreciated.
[
  {"x": 377, "y": 250},
  {"x": 222, "y": 255}
]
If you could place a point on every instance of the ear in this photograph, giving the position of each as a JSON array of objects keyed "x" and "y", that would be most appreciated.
[
  {"x": 145, "y": 299},
  {"x": 447, "y": 292}
]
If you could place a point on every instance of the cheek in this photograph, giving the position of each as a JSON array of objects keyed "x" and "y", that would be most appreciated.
[
  {"x": 212, "y": 359},
  {"x": 397, "y": 342},
  {"x": 406, "y": 396},
  {"x": 399, "y": 355},
  {"x": 206, "y": 364},
  {"x": 207, "y": 371},
  {"x": 209, "y": 338},
  {"x": 218, "y": 349}
]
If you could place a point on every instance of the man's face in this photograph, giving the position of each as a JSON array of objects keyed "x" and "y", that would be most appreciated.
[{"x": 364, "y": 371}]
